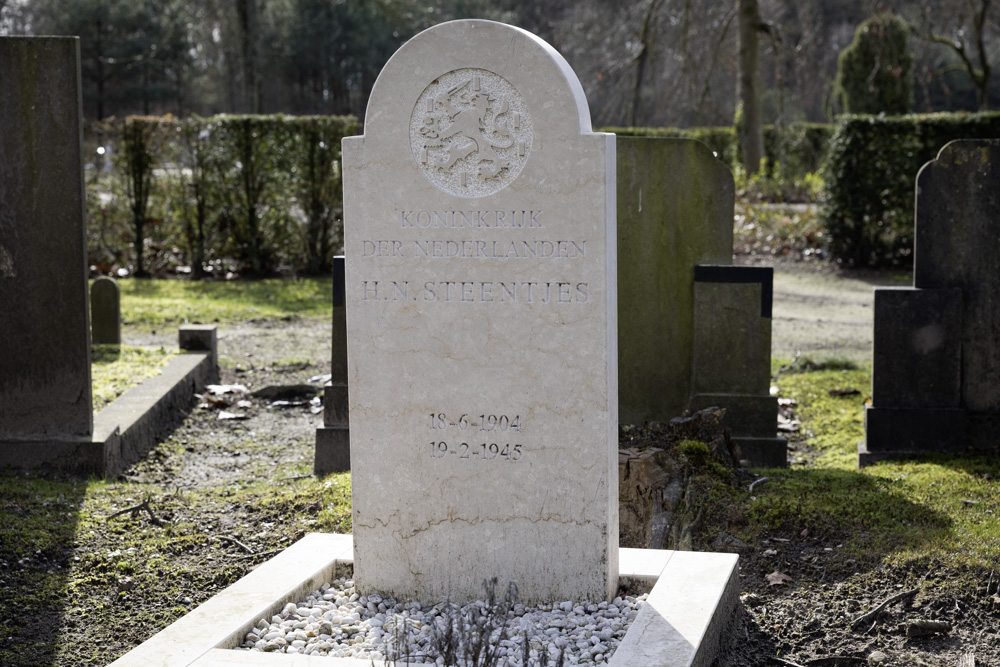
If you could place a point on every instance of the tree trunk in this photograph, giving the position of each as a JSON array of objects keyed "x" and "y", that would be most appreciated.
[
  {"x": 247, "y": 12},
  {"x": 751, "y": 131}
]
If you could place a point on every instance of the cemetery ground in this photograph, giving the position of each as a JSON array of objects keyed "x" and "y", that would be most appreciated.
[{"x": 90, "y": 569}]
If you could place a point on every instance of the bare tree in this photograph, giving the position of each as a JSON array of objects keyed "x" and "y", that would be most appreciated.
[{"x": 967, "y": 40}]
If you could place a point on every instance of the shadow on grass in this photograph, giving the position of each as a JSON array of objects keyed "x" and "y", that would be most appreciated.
[
  {"x": 38, "y": 525},
  {"x": 871, "y": 516}
]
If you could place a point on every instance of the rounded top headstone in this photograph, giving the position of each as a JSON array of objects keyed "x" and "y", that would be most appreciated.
[{"x": 474, "y": 100}]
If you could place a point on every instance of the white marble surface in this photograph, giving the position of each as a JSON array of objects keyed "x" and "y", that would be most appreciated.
[{"x": 486, "y": 322}]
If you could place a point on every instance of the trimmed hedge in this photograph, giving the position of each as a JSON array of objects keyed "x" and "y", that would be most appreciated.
[
  {"x": 870, "y": 177},
  {"x": 258, "y": 194}
]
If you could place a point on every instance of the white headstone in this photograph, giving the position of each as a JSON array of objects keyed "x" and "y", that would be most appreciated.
[{"x": 479, "y": 214}]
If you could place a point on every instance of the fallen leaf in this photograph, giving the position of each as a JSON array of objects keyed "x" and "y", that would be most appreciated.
[
  {"x": 804, "y": 533},
  {"x": 770, "y": 552},
  {"x": 777, "y": 578}
]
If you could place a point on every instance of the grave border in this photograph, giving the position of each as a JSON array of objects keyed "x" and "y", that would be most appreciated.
[
  {"x": 132, "y": 424},
  {"x": 690, "y": 603}
]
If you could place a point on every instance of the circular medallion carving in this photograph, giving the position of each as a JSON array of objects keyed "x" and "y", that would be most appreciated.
[{"x": 470, "y": 132}]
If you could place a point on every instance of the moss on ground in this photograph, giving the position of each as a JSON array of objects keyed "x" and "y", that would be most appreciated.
[
  {"x": 943, "y": 508},
  {"x": 115, "y": 368}
]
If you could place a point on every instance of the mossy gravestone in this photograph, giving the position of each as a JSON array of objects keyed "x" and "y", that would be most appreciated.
[
  {"x": 45, "y": 393},
  {"x": 694, "y": 331},
  {"x": 936, "y": 361},
  {"x": 479, "y": 213},
  {"x": 675, "y": 211}
]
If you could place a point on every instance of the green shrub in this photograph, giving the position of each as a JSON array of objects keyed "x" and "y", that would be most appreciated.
[
  {"x": 870, "y": 177},
  {"x": 253, "y": 193}
]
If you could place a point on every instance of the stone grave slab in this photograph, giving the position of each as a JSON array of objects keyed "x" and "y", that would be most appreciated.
[
  {"x": 480, "y": 288},
  {"x": 693, "y": 330},
  {"x": 936, "y": 357},
  {"x": 46, "y": 410}
]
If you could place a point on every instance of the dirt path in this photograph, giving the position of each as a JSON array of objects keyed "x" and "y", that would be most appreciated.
[{"x": 824, "y": 313}]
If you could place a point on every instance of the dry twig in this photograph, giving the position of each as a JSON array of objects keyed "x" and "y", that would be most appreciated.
[
  {"x": 272, "y": 552},
  {"x": 226, "y": 538},
  {"x": 134, "y": 511},
  {"x": 870, "y": 616},
  {"x": 755, "y": 483}
]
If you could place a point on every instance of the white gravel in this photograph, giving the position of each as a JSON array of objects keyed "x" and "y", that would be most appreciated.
[{"x": 337, "y": 621}]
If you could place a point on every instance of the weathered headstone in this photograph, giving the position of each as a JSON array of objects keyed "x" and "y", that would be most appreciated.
[
  {"x": 675, "y": 211},
  {"x": 694, "y": 331},
  {"x": 105, "y": 312},
  {"x": 333, "y": 449},
  {"x": 45, "y": 393},
  {"x": 481, "y": 311},
  {"x": 936, "y": 360},
  {"x": 731, "y": 365}
]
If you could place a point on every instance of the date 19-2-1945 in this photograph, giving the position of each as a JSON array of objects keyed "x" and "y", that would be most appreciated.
[{"x": 480, "y": 452}]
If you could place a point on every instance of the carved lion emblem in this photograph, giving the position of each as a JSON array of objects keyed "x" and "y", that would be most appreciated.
[{"x": 470, "y": 133}]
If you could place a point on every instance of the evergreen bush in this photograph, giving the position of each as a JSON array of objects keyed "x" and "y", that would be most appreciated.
[
  {"x": 875, "y": 72},
  {"x": 870, "y": 176}
]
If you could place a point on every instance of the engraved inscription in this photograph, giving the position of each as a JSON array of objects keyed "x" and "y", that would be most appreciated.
[
  {"x": 476, "y": 291},
  {"x": 441, "y": 422},
  {"x": 474, "y": 249},
  {"x": 470, "y": 132},
  {"x": 477, "y": 452}
]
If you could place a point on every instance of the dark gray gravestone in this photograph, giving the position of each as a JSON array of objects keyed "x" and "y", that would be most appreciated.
[
  {"x": 731, "y": 365},
  {"x": 936, "y": 361},
  {"x": 105, "y": 312},
  {"x": 45, "y": 392},
  {"x": 333, "y": 447}
]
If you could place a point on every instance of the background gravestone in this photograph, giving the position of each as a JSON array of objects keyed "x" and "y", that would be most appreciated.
[
  {"x": 675, "y": 211},
  {"x": 333, "y": 452},
  {"x": 694, "y": 331},
  {"x": 45, "y": 391},
  {"x": 479, "y": 234},
  {"x": 105, "y": 312},
  {"x": 936, "y": 361}
]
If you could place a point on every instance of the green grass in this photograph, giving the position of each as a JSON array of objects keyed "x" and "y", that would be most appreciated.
[
  {"x": 64, "y": 559},
  {"x": 894, "y": 512},
  {"x": 116, "y": 368},
  {"x": 152, "y": 304}
]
